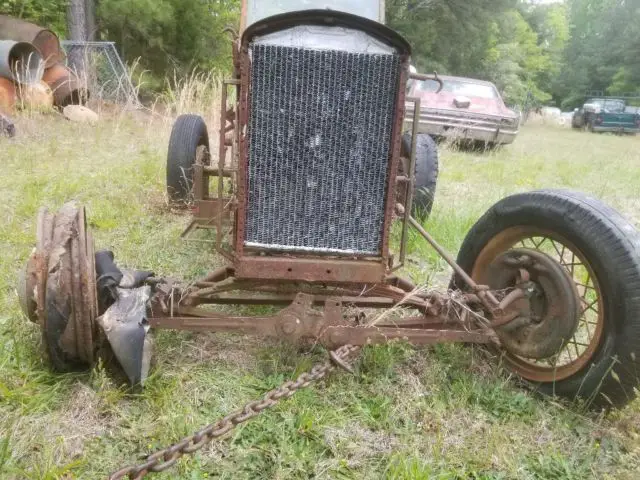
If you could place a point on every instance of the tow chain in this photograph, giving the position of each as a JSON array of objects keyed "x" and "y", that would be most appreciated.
[{"x": 167, "y": 457}]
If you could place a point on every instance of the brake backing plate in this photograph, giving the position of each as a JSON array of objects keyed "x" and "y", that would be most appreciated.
[{"x": 547, "y": 316}]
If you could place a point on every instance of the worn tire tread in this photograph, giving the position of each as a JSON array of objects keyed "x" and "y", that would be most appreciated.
[
  {"x": 426, "y": 174},
  {"x": 188, "y": 133}
]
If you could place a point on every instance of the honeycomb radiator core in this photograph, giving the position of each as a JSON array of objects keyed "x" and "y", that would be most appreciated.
[{"x": 319, "y": 141}]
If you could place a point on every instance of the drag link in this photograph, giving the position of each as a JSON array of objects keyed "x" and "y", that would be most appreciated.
[{"x": 482, "y": 291}]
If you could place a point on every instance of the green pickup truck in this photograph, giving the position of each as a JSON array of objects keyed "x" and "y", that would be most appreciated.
[{"x": 607, "y": 114}]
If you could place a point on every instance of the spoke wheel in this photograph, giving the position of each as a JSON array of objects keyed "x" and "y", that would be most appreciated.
[
  {"x": 580, "y": 348},
  {"x": 596, "y": 253}
]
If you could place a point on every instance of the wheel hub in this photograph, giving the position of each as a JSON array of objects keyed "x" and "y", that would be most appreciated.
[{"x": 547, "y": 316}]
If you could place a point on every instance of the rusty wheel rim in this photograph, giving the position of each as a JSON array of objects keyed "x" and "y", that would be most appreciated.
[
  {"x": 60, "y": 281},
  {"x": 580, "y": 349}
]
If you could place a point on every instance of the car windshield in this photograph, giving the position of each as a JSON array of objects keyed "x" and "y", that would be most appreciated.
[
  {"x": 259, "y": 9},
  {"x": 459, "y": 87},
  {"x": 609, "y": 105}
]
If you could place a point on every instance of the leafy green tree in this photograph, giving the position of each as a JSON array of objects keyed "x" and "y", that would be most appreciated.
[
  {"x": 516, "y": 59},
  {"x": 551, "y": 24},
  {"x": 601, "y": 53},
  {"x": 450, "y": 36},
  {"x": 48, "y": 13},
  {"x": 549, "y": 52},
  {"x": 491, "y": 40},
  {"x": 170, "y": 35}
]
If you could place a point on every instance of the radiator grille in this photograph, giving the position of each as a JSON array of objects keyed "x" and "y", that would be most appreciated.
[{"x": 319, "y": 139}]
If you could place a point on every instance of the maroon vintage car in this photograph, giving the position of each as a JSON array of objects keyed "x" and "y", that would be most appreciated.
[{"x": 464, "y": 108}]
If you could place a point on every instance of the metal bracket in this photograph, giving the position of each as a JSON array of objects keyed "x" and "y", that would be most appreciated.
[{"x": 410, "y": 180}]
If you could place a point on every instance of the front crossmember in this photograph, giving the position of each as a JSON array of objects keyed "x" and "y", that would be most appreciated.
[{"x": 331, "y": 326}]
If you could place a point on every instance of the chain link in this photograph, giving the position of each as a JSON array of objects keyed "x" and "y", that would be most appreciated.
[{"x": 167, "y": 457}]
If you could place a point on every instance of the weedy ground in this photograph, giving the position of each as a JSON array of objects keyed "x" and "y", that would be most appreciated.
[{"x": 444, "y": 412}]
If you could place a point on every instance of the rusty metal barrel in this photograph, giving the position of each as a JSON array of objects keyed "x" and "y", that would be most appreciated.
[
  {"x": 67, "y": 88},
  {"x": 8, "y": 95},
  {"x": 43, "y": 39},
  {"x": 20, "y": 62}
]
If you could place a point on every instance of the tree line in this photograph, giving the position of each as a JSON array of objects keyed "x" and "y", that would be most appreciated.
[{"x": 536, "y": 53}]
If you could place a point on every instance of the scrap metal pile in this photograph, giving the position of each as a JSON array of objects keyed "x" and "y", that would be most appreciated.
[{"x": 33, "y": 71}]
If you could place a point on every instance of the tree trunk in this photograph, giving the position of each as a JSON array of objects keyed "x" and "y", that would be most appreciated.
[
  {"x": 90, "y": 16},
  {"x": 77, "y": 29},
  {"x": 76, "y": 20}
]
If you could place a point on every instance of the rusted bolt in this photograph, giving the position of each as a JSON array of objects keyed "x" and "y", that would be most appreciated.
[
  {"x": 289, "y": 327},
  {"x": 336, "y": 336}
]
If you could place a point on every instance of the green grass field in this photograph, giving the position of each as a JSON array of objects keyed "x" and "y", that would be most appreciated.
[{"x": 447, "y": 412}]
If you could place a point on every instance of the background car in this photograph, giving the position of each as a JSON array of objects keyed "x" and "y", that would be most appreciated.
[
  {"x": 464, "y": 109},
  {"x": 607, "y": 114}
]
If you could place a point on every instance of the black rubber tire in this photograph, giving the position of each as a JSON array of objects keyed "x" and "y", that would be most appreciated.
[
  {"x": 574, "y": 124},
  {"x": 188, "y": 133},
  {"x": 426, "y": 172},
  {"x": 611, "y": 245}
]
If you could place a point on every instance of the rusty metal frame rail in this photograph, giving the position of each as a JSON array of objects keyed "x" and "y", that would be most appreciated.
[
  {"x": 222, "y": 155},
  {"x": 409, "y": 181},
  {"x": 331, "y": 337},
  {"x": 300, "y": 321}
]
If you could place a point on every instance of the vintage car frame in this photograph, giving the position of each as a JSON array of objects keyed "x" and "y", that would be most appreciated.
[{"x": 548, "y": 280}]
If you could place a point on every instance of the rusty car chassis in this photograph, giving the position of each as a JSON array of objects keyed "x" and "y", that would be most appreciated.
[
  {"x": 528, "y": 281},
  {"x": 321, "y": 293}
]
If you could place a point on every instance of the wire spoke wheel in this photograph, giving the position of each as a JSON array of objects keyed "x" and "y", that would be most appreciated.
[
  {"x": 579, "y": 349},
  {"x": 580, "y": 333}
]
